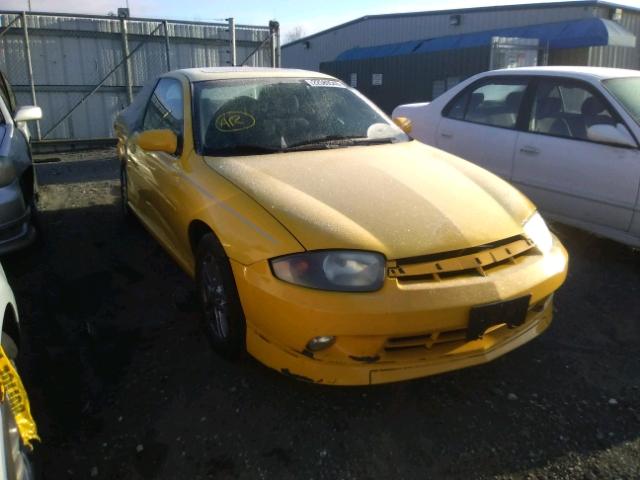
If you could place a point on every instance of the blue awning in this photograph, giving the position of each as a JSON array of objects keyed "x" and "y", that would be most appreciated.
[{"x": 590, "y": 32}]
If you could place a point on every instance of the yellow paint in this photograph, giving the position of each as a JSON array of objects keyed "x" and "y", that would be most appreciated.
[
  {"x": 402, "y": 200},
  {"x": 404, "y": 123},
  {"x": 158, "y": 141},
  {"x": 13, "y": 391}
]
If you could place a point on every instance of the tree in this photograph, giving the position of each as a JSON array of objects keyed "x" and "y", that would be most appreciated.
[{"x": 294, "y": 34}]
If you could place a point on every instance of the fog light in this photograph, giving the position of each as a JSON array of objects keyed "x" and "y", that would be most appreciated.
[{"x": 320, "y": 343}]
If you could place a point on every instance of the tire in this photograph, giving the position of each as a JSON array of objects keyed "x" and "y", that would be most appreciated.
[
  {"x": 19, "y": 460},
  {"x": 36, "y": 223},
  {"x": 124, "y": 193},
  {"x": 222, "y": 314}
]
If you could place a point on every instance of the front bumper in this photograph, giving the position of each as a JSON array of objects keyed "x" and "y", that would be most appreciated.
[
  {"x": 406, "y": 330},
  {"x": 16, "y": 229}
]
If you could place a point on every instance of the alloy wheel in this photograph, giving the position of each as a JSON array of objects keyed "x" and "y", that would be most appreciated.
[{"x": 214, "y": 298}]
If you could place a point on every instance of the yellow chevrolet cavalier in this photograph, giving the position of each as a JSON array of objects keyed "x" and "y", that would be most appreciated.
[{"x": 323, "y": 239}]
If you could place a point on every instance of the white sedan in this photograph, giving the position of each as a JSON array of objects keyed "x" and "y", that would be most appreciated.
[
  {"x": 565, "y": 136},
  {"x": 15, "y": 461}
]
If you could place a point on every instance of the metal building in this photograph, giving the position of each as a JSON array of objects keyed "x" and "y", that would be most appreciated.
[
  {"x": 325, "y": 46},
  {"x": 81, "y": 69},
  {"x": 400, "y": 58}
]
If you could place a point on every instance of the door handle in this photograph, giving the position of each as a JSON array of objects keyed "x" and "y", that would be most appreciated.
[
  {"x": 446, "y": 135},
  {"x": 530, "y": 150}
]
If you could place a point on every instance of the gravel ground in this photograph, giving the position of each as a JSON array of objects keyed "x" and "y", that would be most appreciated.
[{"x": 124, "y": 385}]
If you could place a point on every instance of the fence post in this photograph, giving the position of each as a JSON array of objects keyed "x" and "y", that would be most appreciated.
[
  {"x": 27, "y": 47},
  {"x": 232, "y": 41},
  {"x": 278, "y": 50},
  {"x": 273, "y": 40},
  {"x": 167, "y": 47},
  {"x": 125, "y": 52}
]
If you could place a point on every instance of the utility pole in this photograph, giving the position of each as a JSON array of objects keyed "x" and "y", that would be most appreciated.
[{"x": 232, "y": 42}]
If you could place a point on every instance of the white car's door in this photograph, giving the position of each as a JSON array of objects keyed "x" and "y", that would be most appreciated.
[
  {"x": 565, "y": 172},
  {"x": 480, "y": 123}
]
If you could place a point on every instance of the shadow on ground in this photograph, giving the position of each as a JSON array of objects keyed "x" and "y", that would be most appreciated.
[{"x": 123, "y": 381}]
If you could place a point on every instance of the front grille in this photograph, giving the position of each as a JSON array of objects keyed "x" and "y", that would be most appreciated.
[
  {"x": 473, "y": 261},
  {"x": 426, "y": 341}
]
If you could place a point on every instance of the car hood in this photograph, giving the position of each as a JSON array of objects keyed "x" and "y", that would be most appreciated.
[{"x": 403, "y": 200}]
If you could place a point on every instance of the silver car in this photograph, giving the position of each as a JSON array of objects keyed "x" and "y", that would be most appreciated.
[{"x": 17, "y": 176}]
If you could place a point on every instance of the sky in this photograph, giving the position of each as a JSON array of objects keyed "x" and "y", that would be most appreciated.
[{"x": 310, "y": 16}]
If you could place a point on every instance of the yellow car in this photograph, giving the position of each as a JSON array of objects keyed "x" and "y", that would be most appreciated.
[{"x": 323, "y": 239}]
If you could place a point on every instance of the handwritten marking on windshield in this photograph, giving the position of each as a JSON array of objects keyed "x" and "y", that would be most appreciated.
[{"x": 235, "y": 121}]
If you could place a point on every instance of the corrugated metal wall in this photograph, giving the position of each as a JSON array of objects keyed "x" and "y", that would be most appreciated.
[
  {"x": 71, "y": 54},
  {"x": 618, "y": 57},
  {"x": 327, "y": 46},
  {"x": 411, "y": 78}
]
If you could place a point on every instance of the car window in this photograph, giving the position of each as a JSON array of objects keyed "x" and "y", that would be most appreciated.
[
  {"x": 234, "y": 117},
  {"x": 625, "y": 90},
  {"x": 456, "y": 108},
  {"x": 496, "y": 103},
  {"x": 5, "y": 100},
  {"x": 166, "y": 107},
  {"x": 7, "y": 94},
  {"x": 567, "y": 109}
]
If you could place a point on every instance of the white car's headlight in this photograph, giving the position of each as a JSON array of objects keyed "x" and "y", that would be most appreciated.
[
  {"x": 337, "y": 270},
  {"x": 537, "y": 231}
]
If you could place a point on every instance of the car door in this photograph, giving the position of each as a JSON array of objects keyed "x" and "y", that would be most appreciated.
[
  {"x": 591, "y": 184},
  {"x": 156, "y": 173},
  {"x": 479, "y": 124}
]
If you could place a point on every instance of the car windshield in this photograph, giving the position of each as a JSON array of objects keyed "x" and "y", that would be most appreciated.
[
  {"x": 253, "y": 116},
  {"x": 627, "y": 92}
]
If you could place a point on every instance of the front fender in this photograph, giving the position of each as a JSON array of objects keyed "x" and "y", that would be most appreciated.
[{"x": 246, "y": 229}]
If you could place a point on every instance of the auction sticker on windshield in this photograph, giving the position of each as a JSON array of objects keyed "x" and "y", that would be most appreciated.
[{"x": 320, "y": 82}]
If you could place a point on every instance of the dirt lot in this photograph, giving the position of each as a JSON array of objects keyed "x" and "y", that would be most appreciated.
[{"x": 124, "y": 385}]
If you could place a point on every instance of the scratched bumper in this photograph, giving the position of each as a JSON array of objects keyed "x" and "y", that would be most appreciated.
[{"x": 379, "y": 334}]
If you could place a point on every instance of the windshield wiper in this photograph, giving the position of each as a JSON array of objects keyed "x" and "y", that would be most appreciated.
[
  {"x": 330, "y": 141},
  {"x": 336, "y": 141},
  {"x": 242, "y": 150}
]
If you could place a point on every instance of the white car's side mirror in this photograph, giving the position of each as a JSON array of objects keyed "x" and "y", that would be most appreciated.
[
  {"x": 616, "y": 135},
  {"x": 28, "y": 113}
]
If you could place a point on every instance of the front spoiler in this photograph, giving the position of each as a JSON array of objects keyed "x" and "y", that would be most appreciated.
[{"x": 302, "y": 367}]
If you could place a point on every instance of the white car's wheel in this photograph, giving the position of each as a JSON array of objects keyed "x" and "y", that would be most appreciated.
[{"x": 18, "y": 464}]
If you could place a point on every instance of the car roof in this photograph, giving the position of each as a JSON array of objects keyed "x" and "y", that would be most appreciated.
[
  {"x": 221, "y": 73},
  {"x": 585, "y": 73}
]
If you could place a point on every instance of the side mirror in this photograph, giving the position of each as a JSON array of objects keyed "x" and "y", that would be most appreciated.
[
  {"x": 615, "y": 135},
  {"x": 158, "y": 141},
  {"x": 404, "y": 123},
  {"x": 28, "y": 113}
]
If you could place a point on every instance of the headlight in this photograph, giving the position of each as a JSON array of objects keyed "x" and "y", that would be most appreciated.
[
  {"x": 338, "y": 270},
  {"x": 537, "y": 231}
]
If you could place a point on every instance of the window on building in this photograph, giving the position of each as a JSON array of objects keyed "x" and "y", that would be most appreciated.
[{"x": 438, "y": 88}]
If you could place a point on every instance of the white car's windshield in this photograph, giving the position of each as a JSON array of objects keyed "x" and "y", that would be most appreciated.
[
  {"x": 252, "y": 116},
  {"x": 627, "y": 92}
]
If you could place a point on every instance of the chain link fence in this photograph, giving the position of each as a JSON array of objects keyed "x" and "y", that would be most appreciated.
[{"x": 82, "y": 70}]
